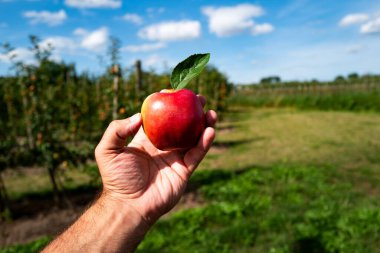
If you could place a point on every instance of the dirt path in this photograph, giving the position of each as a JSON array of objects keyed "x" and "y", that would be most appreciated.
[{"x": 52, "y": 221}]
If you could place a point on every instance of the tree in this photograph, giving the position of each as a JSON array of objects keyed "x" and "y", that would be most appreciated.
[
  {"x": 270, "y": 80},
  {"x": 114, "y": 53},
  {"x": 353, "y": 77},
  {"x": 339, "y": 79}
]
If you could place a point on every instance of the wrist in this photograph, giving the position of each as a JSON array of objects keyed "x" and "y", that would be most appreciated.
[
  {"x": 124, "y": 221},
  {"x": 107, "y": 202},
  {"x": 148, "y": 215}
]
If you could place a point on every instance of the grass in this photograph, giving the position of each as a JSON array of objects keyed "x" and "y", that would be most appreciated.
[
  {"x": 264, "y": 137},
  {"x": 282, "y": 180},
  {"x": 278, "y": 209},
  {"x": 293, "y": 181},
  {"x": 35, "y": 246},
  {"x": 34, "y": 181}
]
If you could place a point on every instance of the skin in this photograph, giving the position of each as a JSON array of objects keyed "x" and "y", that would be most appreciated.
[
  {"x": 173, "y": 119},
  {"x": 140, "y": 184}
]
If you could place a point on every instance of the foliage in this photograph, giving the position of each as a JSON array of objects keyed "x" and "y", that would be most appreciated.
[{"x": 53, "y": 116}]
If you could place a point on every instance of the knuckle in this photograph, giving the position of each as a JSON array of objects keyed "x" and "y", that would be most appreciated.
[
  {"x": 114, "y": 124},
  {"x": 97, "y": 151}
]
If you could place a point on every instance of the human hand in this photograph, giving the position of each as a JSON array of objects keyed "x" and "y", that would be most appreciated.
[{"x": 148, "y": 180}]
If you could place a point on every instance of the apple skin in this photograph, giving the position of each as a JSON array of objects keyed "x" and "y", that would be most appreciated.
[{"x": 173, "y": 119}]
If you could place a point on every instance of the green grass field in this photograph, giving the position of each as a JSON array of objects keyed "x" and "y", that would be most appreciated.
[{"x": 279, "y": 180}]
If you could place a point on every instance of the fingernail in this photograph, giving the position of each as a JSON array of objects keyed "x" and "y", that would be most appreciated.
[{"x": 135, "y": 118}]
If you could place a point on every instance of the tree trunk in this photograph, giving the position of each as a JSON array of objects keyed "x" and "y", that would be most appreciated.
[
  {"x": 216, "y": 97},
  {"x": 28, "y": 124},
  {"x": 10, "y": 111},
  {"x": 115, "y": 96},
  {"x": 3, "y": 195},
  {"x": 63, "y": 195},
  {"x": 138, "y": 84},
  {"x": 26, "y": 110},
  {"x": 56, "y": 193}
]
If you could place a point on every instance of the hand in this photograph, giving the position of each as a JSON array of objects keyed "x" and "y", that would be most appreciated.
[{"x": 148, "y": 180}]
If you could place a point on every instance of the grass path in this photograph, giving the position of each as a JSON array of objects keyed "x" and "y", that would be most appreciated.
[{"x": 347, "y": 141}]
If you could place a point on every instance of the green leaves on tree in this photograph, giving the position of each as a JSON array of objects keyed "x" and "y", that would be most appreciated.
[{"x": 188, "y": 69}]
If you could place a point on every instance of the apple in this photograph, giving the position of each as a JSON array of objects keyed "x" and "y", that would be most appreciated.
[{"x": 173, "y": 119}]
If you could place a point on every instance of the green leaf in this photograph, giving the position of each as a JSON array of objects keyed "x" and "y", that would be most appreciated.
[{"x": 188, "y": 69}]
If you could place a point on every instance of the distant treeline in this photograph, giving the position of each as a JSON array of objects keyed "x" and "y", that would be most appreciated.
[{"x": 352, "y": 93}]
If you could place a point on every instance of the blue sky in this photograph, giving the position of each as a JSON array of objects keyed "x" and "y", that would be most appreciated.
[{"x": 248, "y": 40}]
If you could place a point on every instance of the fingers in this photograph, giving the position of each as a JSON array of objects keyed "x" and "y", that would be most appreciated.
[
  {"x": 118, "y": 131},
  {"x": 211, "y": 118},
  {"x": 202, "y": 99},
  {"x": 195, "y": 155}
]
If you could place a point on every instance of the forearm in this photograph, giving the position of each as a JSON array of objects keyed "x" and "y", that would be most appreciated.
[{"x": 107, "y": 226}]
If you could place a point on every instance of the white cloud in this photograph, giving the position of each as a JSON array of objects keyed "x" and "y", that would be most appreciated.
[
  {"x": 4, "y": 58},
  {"x": 172, "y": 31},
  {"x": 82, "y": 4},
  {"x": 258, "y": 29},
  {"x": 133, "y": 18},
  {"x": 372, "y": 26},
  {"x": 82, "y": 44},
  {"x": 231, "y": 20},
  {"x": 153, "y": 61},
  {"x": 80, "y": 32},
  {"x": 96, "y": 40},
  {"x": 353, "y": 19},
  {"x": 144, "y": 47},
  {"x": 49, "y": 18},
  {"x": 18, "y": 54},
  {"x": 59, "y": 44}
]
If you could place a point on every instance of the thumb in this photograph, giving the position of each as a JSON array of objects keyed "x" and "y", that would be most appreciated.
[{"x": 118, "y": 131}]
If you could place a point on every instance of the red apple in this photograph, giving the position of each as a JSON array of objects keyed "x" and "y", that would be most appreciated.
[{"x": 173, "y": 119}]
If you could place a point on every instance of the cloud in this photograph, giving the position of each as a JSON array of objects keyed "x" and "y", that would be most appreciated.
[
  {"x": 80, "y": 32},
  {"x": 262, "y": 29},
  {"x": 85, "y": 41},
  {"x": 171, "y": 31},
  {"x": 18, "y": 54},
  {"x": 94, "y": 41},
  {"x": 353, "y": 19},
  {"x": 232, "y": 20},
  {"x": 133, "y": 18},
  {"x": 83, "y": 4},
  {"x": 153, "y": 61},
  {"x": 59, "y": 44},
  {"x": 144, "y": 47},
  {"x": 49, "y": 18},
  {"x": 372, "y": 26}
]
